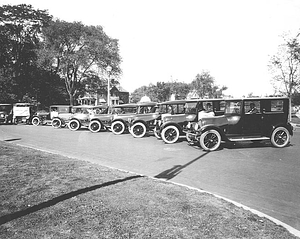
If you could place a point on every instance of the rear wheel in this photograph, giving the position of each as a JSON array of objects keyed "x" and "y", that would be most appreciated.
[
  {"x": 170, "y": 134},
  {"x": 95, "y": 126},
  {"x": 56, "y": 123},
  {"x": 118, "y": 127},
  {"x": 138, "y": 130},
  {"x": 210, "y": 140},
  {"x": 35, "y": 121},
  {"x": 280, "y": 137},
  {"x": 74, "y": 125}
]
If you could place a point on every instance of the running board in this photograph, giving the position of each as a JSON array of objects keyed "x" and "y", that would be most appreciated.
[{"x": 247, "y": 139}]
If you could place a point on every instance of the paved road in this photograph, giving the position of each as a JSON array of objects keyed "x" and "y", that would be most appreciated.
[{"x": 258, "y": 176}]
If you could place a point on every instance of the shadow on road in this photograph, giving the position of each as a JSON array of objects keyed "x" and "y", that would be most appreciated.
[
  {"x": 174, "y": 171},
  {"x": 8, "y": 140},
  {"x": 10, "y": 217}
]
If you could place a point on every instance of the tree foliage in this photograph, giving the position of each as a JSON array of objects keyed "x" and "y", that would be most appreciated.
[
  {"x": 78, "y": 53},
  {"x": 20, "y": 31},
  {"x": 205, "y": 86},
  {"x": 162, "y": 91},
  {"x": 285, "y": 66}
]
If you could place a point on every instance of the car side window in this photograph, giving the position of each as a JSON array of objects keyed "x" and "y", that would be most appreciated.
[
  {"x": 233, "y": 107},
  {"x": 277, "y": 106},
  {"x": 251, "y": 107}
]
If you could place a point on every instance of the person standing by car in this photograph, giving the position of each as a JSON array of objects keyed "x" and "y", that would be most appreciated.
[{"x": 208, "y": 112}]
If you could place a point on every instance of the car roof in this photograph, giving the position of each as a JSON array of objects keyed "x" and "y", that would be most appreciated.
[
  {"x": 23, "y": 104},
  {"x": 258, "y": 98},
  {"x": 174, "y": 102},
  {"x": 89, "y": 106},
  {"x": 147, "y": 103},
  {"x": 60, "y": 106},
  {"x": 129, "y": 105}
]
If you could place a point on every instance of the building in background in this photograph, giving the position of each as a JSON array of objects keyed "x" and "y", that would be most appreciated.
[{"x": 118, "y": 95}]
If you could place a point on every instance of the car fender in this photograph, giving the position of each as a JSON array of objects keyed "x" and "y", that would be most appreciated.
[
  {"x": 288, "y": 126},
  {"x": 140, "y": 121},
  {"x": 171, "y": 123},
  {"x": 210, "y": 127}
]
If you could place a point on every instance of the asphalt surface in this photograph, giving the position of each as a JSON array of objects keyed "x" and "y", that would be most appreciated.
[{"x": 259, "y": 176}]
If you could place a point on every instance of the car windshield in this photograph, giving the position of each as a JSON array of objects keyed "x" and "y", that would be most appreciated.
[
  {"x": 171, "y": 109},
  {"x": 5, "y": 108},
  {"x": 82, "y": 110},
  {"x": 124, "y": 110},
  {"x": 146, "y": 109}
]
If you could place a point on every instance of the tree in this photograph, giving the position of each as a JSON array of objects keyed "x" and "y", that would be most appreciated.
[
  {"x": 77, "y": 53},
  {"x": 205, "y": 86},
  {"x": 20, "y": 31},
  {"x": 284, "y": 67}
]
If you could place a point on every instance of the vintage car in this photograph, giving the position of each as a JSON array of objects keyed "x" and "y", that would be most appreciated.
[
  {"x": 6, "y": 115},
  {"x": 61, "y": 116},
  {"x": 143, "y": 122},
  {"x": 124, "y": 114},
  {"x": 82, "y": 114},
  {"x": 174, "y": 125},
  {"x": 22, "y": 113},
  {"x": 56, "y": 113},
  {"x": 250, "y": 119},
  {"x": 104, "y": 121},
  {"x": 168, "y": 108}
]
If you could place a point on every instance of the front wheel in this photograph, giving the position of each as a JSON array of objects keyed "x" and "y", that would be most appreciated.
[
  {"x": 74, "y": 125},
  {"x": 210, "y": 140},
  {"x": 56, "y": 123},
  {"x": 35, "y": 121},
  {"x": 118, "y": 127},
  {"x": 170, "y": 134},
  {"x": 280, "y": 137},
  {"x": 95, "y": 126},
  {"x": 138, "y": 130}
]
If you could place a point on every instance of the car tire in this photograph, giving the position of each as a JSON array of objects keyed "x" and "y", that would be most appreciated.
[
  {"x": 170, "y": 134},
  {"x": 138, "y": 130},
  {"x": 118, "y": 127},
  {"x": 95, "y": 126},
  {"x": 280, "y": 137},
  {"x": 56, "y": 123},
  {"x": 35, "y": 121},
  {"x": 74, "y": 125},
  {"x": 210, "y": 140}
]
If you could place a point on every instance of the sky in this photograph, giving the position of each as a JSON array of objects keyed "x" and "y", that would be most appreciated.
[{"x": 174, "y": 40}]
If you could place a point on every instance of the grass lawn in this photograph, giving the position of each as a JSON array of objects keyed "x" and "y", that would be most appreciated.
[{"x": 49, "y": 196}]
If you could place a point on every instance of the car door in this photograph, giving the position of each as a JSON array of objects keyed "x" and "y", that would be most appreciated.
[{"x": 252, "y": 118}]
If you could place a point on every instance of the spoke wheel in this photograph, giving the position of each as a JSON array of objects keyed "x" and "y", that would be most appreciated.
[
  {"x": 95, "y": 126},
  {"x": 118, "y": 127},
  {"x": 138, "y": 130},
  {"x": 56, "y": 123},
  {"x": 35, "y": 121},
  {"x": 170, "y": 134},
  {"x": 210, "y": 140},
  {"x": 280, "y": 137},
  {"x": 74, "y": 125}
]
